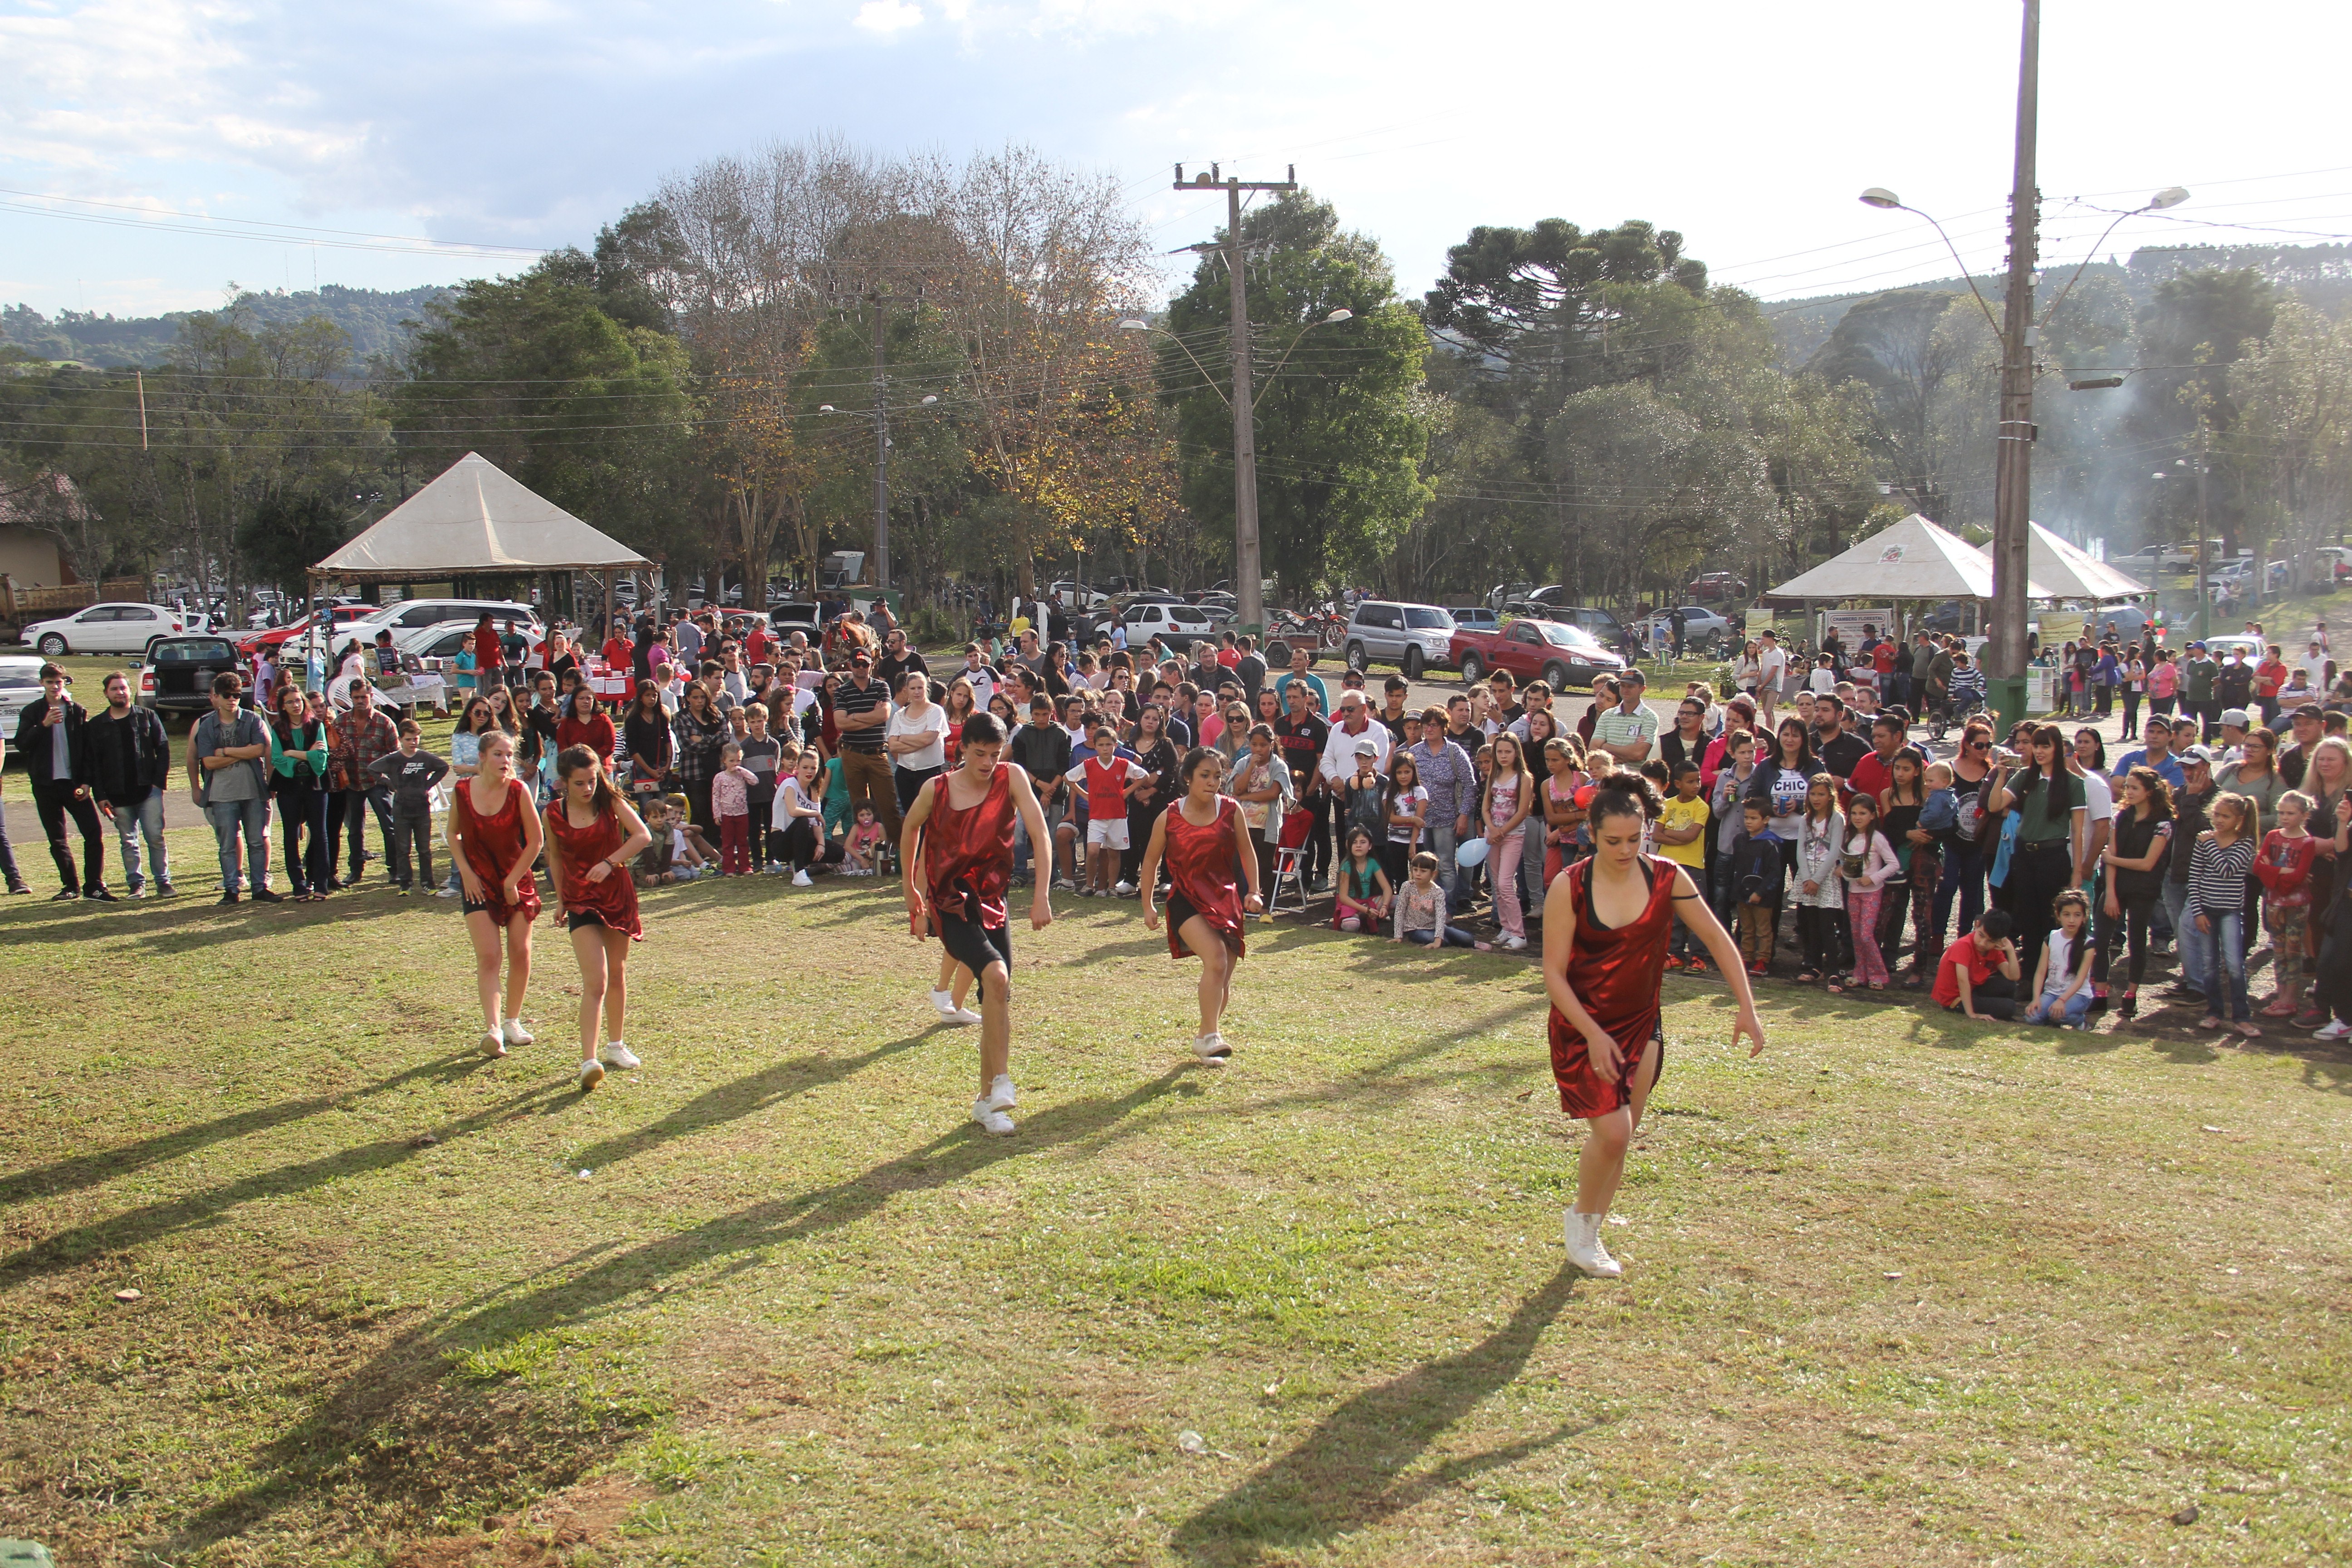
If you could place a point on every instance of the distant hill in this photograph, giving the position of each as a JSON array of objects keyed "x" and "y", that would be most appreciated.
[
  {"x": 371, "y": 317},
  {"x": 2321, "y": 274}
]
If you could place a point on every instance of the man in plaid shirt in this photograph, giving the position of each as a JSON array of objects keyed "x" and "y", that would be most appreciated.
[{"x": 358, "y": 738}]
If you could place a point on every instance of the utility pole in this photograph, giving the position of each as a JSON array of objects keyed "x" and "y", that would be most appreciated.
[
  {"x": 1247, "y": 573},
  {"x": 2204, "y": 527},
  {"x": 2014, "y": 452},
  {"x": 881, "y": 454}
]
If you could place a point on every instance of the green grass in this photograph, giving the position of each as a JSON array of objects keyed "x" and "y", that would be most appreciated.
[{"x": 1903, "y": 1289}]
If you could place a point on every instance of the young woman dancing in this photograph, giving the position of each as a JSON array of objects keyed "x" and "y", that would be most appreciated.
[
  {"x": 494, "y": 839},
  {"x": 1204, "y": 837},
  {"x": 956, "y": 857},
  {"x": 1606, "y": 921},
  {"x": 591, "y": 836}
]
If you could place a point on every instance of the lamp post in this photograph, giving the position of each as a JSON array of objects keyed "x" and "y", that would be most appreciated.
[
  {"x": 1248, "y": 592},
  {"x": 880, "y": 415}
]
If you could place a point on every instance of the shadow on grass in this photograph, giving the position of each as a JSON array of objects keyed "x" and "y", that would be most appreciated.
[
  {"x": 753, "y": 1092},
  {"x": 378, "y": 1394},
  {"x": 88, "y": 1170},
  {"x": 1350, "y": 1472},
  {"x": 71, "y": 1246}
]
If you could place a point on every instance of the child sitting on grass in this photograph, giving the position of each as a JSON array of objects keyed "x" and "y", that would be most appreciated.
[
  {"x": 858, "y": 856},
  {"x": 1359, "y": 891},
  {"x": 658, "y": 863},
  {"x": 1419, "y": 911},
  {"x": 2061, "y": 980}
]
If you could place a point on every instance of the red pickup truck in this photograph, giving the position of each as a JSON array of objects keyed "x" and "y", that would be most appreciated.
[{"x": 1558, "y": 655}]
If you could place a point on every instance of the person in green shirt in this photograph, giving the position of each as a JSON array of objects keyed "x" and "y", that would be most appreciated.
[
  {"x": 2197, "y": 673},
  {"x": 2051, "y": 829}
]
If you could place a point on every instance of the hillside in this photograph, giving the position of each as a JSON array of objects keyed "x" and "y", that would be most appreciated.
[{"x": 371, "y": 317}]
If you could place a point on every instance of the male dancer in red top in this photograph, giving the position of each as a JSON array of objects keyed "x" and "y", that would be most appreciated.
[{"x": 955, "y": 851}]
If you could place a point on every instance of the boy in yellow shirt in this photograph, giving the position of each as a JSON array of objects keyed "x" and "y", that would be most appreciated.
[{"x": 1682, "y": 839}]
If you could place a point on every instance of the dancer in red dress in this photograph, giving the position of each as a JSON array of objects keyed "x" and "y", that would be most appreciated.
[
  {"x": 591, "y": 836},
  {"x": 1606, "y": 921},
  {"x": 494, "y": 837},
  {"x": 1205, "y": 841},
  {"x": 956, "y": 857}
]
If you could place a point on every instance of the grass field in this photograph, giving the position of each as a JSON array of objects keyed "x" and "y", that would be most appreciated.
[{"x": 1903, "y": 1289}]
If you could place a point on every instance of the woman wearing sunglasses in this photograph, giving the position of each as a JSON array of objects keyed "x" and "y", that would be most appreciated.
[{"x": 1963, "y": 876}]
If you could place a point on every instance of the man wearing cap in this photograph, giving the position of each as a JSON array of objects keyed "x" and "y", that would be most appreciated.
[
  {"x": 1629, "y": 729},
  {"x": 2189, "y": 820},
  {"x": 2310, "y": 727},
  {"x": 1354, "y": 731},
  {"x": 2232, "y": 746},
  {"x": 2197, "y": 673},
  {"x": 2154, "y": 753},
  {"x": 861, "y": 706}
]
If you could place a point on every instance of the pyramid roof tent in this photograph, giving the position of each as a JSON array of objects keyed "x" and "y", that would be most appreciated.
[{"x": 476, "y": 520}]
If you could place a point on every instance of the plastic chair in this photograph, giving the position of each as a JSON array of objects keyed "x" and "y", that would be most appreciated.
[{"x": 1289, "y": 858}]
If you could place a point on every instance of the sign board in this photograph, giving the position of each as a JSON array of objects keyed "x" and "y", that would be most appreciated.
[
  {"x": 1757, "y": 621},
  {"x": 1848, "y": 624},
  {"x": 2041, "y": 690}
]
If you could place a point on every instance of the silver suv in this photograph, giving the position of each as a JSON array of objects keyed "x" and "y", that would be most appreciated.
[{"x": 1412, "y": 637}]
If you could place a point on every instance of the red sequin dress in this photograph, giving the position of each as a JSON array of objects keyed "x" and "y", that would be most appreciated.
[
  {"x": 968, "y": 854},
  {"x": 1203, "y": 864},
  {"x": 613, "y": 899},
  {"x": 1616, "y": 974},
  {"x": 491, "y": 845}
]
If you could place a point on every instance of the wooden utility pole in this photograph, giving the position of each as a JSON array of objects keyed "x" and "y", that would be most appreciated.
[
  {"x": 881, "y": 454},
  {"x": 2013, "y": 449},
  {"x": 1247, "y": 573}
]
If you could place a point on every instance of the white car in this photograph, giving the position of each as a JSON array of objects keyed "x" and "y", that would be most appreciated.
[
  {"x": 20, "y": 682},
  {"x": 1699, "y": 623},
  {"x": 106, "y": 628},
  {"x": 412, "y": 614},
  {"x": 1173, "y": 623}
]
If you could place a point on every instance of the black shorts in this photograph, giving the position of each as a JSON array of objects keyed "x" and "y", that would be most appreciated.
[
  {"x": 975, "y": 946},
  {"x": 1180, "y": 909},
  {"x": 579, "y": 918},
  {"x": 477, "y": 906}
]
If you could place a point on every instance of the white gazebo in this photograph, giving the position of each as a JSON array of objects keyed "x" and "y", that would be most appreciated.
[
  {"x": 2069, "y": 571},
  {"x": 476, "y": 520},
  {"x": 1912, "y": 560}
]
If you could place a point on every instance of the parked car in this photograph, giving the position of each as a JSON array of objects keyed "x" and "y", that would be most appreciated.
[
  {"x": 1503, "y": 593},
  {"x": 1077, "y": 596},
  {"x": 1700, "y": 625},
  {"x": 1600, "y": 626},
  {"x": 2223, "y": 647},
  {"x": 1559, "y": 654},
  {"x": 20, "y": 682},
  {"x": 1147, "y": 619},
  {"x": 1718, "y": 585},
  {"x": 175, "y": 678},
  {"x": 275, "y": 637},
  {"x": 104, "y": 629},
  {"x": 1477, "y": 618},
  {"x": 2240, "y": 572},
  {"x": 1412, "y": 637},
  {"x": 410, "y": 614}
]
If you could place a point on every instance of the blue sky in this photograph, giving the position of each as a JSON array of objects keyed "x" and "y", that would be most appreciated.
[{"x": 527, "y": 123}]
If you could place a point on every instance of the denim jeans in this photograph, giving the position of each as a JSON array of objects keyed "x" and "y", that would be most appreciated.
[
  {"x": 253, "y": 816},
  {"x": 2224, "y": 950},
  {"x": 132, "y": 823},
  {"x": 1455, "y": 937},
  {"x": 2048, "y": 1009},
  {"x": 1440, "y": 843},
  {"x": 2194, "y": 972},
  {"x": 1964, "y": 879}
]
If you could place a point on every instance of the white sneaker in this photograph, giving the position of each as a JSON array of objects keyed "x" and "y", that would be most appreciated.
[
  {"x": 616, "y": 1055},
  {"x": 2334, "y": 1030},
  {"x": 990, "y": 1119},
  {"x": 801, "y": 879},
  {"x": 1584, "y": 1249},
  {"x": 445, "y": 892},
  {"x": 1513, "y": 942},
  {"x": 962, "y": 1017},
  {"x": 515, "y": 1034},
  {"x": 1125, "y": 889},
  {"x": 493, "y": 1043},
  {"x": 592, "y": 1073},
  {"x": 1000, "y": 1093},
  {"x": 1212, "y": 1049}
]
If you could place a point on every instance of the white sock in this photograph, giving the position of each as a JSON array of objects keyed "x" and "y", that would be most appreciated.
[
  {"x": 614, "y": 1046},
  {"x": 515, "y": 1023}
]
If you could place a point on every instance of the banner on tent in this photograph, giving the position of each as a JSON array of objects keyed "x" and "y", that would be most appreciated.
[{"x": 1848, "y": 624}]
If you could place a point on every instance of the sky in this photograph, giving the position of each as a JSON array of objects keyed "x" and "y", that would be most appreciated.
[{"x": 153, "y": 152}]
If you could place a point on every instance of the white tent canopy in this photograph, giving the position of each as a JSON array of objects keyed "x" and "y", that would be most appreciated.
[
  {"x": 2070, "y": 571},
  {"x": 475, "y": 521},
  {"x": 1912, "y": 560}
]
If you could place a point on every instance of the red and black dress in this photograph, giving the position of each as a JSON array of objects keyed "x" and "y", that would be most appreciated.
[
  {"x": 967, "y": 866},
  {"x": 612, "y": 902},
  {"x": 1616, "y": 974},
  {"x": 1201, "y": 866},
  {"x": 491, "y": 845}
]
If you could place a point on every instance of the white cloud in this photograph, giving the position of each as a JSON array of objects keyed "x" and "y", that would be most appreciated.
[{"x": 888, "y": 16}]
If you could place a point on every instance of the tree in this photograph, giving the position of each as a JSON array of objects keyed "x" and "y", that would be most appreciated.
[
  {"x": 1340, "y": 433},
  {"x": 2291, "y": 442}
]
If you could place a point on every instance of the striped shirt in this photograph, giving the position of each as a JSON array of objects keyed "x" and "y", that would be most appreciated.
[
  {"x": 1618, "y": 727},
  {"x": 2218, "y": 873},
  {"x": 849, "y": 699}
]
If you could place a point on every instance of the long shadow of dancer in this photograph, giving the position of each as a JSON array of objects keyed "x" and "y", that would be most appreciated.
[
  {"x": 1346, "y": 1474},
  {"x": 375, "y": 1396}
]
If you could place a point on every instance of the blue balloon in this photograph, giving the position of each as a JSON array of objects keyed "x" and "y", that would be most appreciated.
[{"x": 1470, "y": 852}]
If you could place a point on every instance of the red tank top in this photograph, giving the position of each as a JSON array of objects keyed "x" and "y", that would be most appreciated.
[
  {"x": 1616, "y": 973},
  {"x": 1201, "y": 866},
  {"x": 615, "y": 899},
  {"x": 491, "y": 845},
  {"x": 968, "y": 854}
]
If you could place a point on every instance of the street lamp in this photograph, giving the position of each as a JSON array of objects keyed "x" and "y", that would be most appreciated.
[{"x": 1249, "y": 593}]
